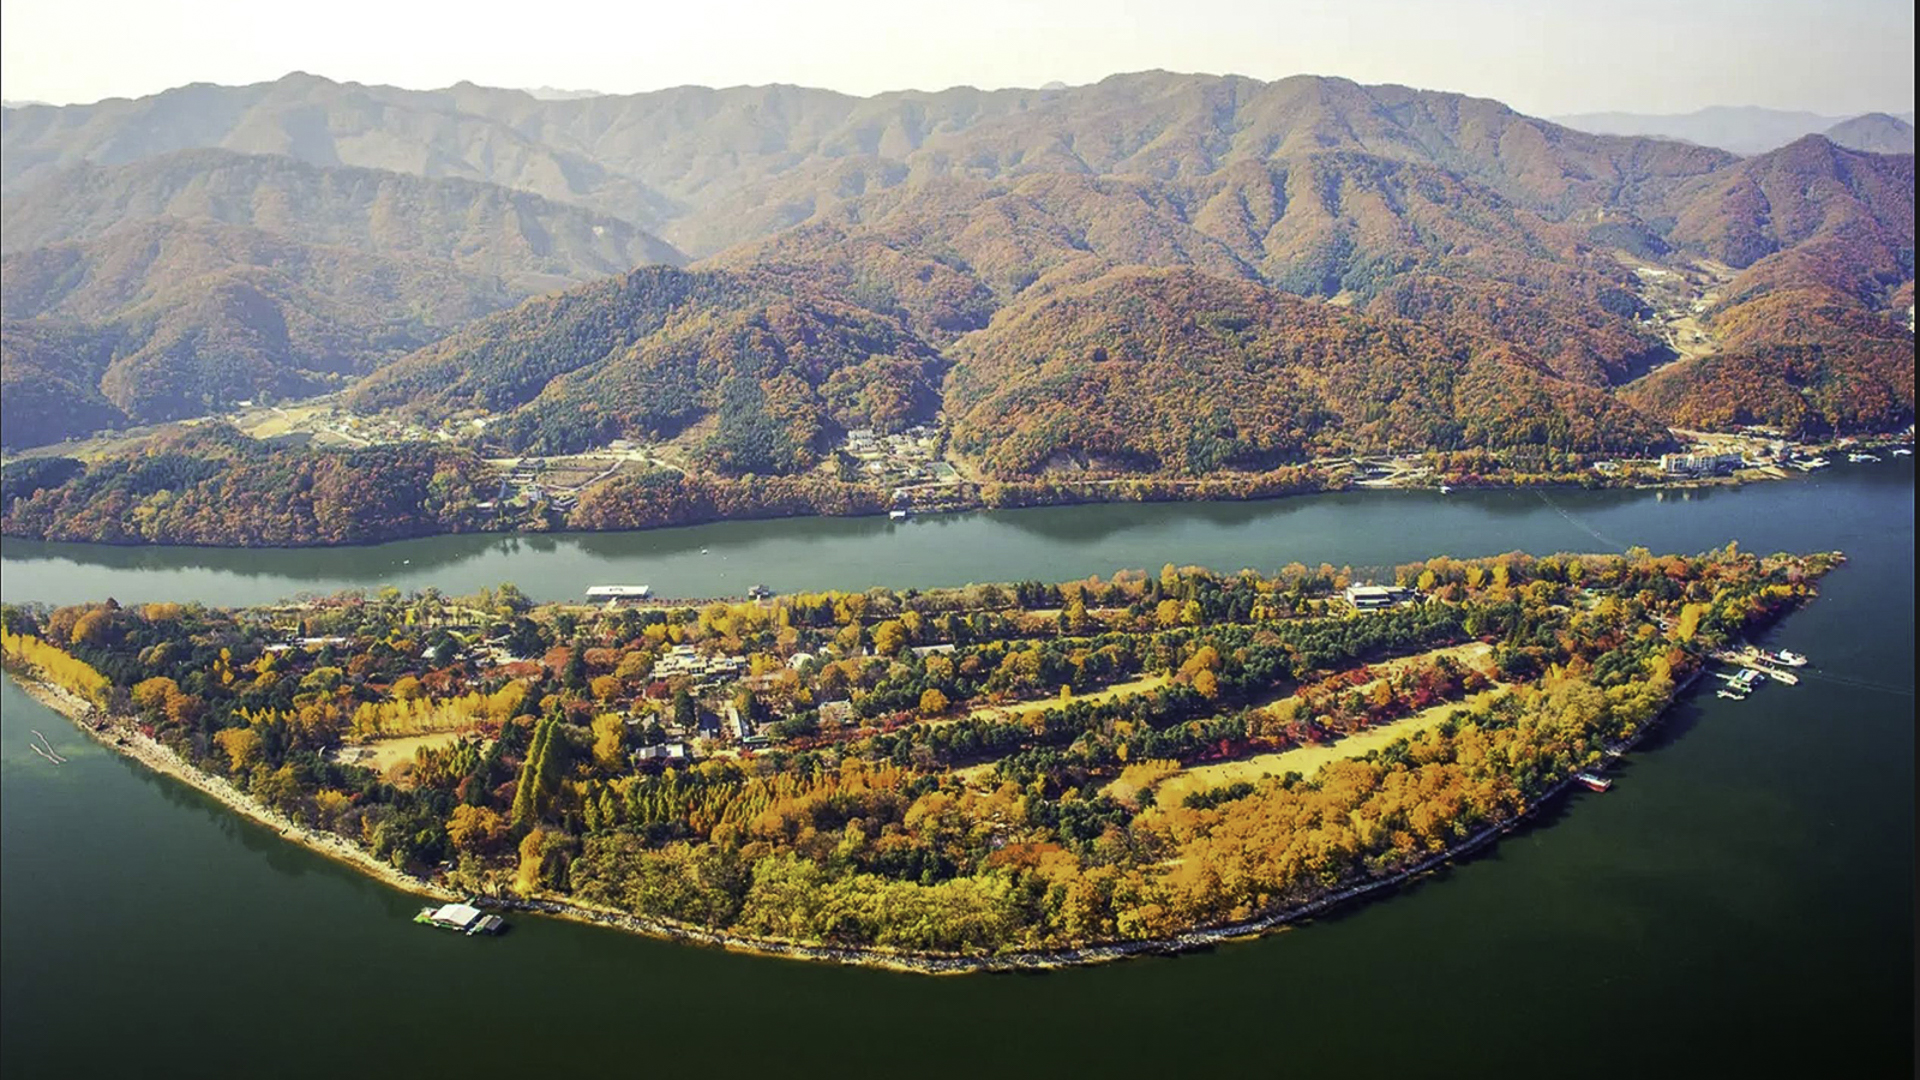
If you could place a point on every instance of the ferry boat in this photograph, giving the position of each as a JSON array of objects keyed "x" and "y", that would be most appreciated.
[
  {"x": 1594, "y": 783},
  {"x": 463, "y": 917},
  {"x": 1781, "y": 675},
  {"x": 1782, "y": 656}
]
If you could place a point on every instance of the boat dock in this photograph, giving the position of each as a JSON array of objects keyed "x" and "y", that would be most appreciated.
[
  {"x": 1758, "y": 664},
  {"x": 463, "y": 917}
]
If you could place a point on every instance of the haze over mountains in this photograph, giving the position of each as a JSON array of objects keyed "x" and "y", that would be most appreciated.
[
  {"x": 1065, "y": 271},
  {"x": 1752, "y": 130}
]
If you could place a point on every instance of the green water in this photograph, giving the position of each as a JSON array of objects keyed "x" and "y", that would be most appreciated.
[{"x": 1740, "y": 903}]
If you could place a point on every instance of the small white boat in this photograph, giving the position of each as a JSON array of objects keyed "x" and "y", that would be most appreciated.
[
  {"x": 1857, "y": 457},
  {"x": 896, "y": 515},
  {"x": 1730, "y": 695},
  {"x": 1901, "y": 451},
  {"x": 1446, "y": 489}
]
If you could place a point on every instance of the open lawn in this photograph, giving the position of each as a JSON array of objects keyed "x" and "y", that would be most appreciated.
[
  {"x": 384, "y": 754},
  {"x": 1307, "y": 760},
  {"x": 1026, "y": 708}
]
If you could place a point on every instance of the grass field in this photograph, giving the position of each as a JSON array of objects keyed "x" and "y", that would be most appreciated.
[
  {"x": 1026, "y": 708},
  {"x": 1307, "y": 760},
  {"x": 384, "y": 754}
]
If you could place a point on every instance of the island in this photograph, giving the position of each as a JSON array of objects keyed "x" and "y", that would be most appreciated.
[{"x": 990, "y": 777}]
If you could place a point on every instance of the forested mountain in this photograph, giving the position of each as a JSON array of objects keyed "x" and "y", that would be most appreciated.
[
  {"x": 773, "y": 362},
  {"x": 869, "y": 260},
  {"x": 530, "y": 243},
  {"x": 709, "y": 168},
  {"x": 1812, "y": 328},
  {"x": 203, "y": 277},
  {"x": 1178, "y": 371},
  {"x": 166, "y": 318}
]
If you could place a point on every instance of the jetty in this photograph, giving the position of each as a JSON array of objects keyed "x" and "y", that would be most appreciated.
[{"x": 1758, "y": 664}]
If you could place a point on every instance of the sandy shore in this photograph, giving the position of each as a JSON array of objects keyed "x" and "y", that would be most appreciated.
[{"x": 118, "y": 733}]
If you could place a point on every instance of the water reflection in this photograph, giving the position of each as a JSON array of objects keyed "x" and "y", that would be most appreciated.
[{"x": 1370, "y": 529}]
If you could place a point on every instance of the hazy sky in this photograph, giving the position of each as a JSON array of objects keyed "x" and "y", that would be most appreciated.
[{"x": 1541, "y": 56}]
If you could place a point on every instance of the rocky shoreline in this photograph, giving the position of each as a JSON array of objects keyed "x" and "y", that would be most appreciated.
[{"x": 118, "y": 733}]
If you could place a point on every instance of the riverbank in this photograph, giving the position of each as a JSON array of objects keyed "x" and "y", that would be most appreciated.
[
  {"x": 26, "y": 522},
  {"x": 122, "y": 734}
]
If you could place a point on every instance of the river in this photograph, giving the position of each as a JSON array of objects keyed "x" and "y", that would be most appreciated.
[{"x": 1741, "y": 901}]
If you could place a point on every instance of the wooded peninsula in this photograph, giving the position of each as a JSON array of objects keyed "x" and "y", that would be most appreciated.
[{"x": 949, "y": 779}]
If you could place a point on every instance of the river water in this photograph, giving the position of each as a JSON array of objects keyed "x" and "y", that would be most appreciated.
[{"x": 1740, "y": 902}]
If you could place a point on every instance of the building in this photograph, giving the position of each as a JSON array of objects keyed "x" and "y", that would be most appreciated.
[
  {"x": 462, "y": 917},
  {"x": 1699, "y": 464},
  {"x": 686, "y": 660},
  {"x": 1373, "y": 597}
]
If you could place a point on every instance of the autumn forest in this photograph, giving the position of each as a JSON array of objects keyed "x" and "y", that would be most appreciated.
[{"x": 997, "y": 770}]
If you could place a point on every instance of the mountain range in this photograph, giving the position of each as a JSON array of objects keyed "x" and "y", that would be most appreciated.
[
  {"x": 1156, "y": 272},
  {"x": 1753, "y": 130}
]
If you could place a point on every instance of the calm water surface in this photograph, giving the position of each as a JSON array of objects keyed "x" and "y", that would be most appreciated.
[{"x": 1740, "y": 902}]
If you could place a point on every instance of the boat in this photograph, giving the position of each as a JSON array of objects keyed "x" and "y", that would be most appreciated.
[
  {"x": 1856, "y": 457},
  {"x": 1446, "y": 489},
  {"x": 1811, "y": 464},
  {"x": 1594, "y": 783},
  {"x": 1732, "y": 695},
  {"x": 1901, "y": 451},
  {"x": 618, "y": 592},
  {"x": 1782, "y": 656},
  {"x": 463, "y": 917},
  {"x": 897, "y": 515},
  {"x": 1781, "y": 675}
]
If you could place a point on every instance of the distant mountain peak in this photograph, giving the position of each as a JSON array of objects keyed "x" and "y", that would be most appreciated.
[
  {"x": 1876, "y": 132},
  {"x": 554, "y": 93},
  {"x": 1743, "y": 129}
]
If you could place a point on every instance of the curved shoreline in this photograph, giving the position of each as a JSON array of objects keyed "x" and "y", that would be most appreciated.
[
  {"x": 119, "y": 734},
  {"x": 1493, "y": 483}
]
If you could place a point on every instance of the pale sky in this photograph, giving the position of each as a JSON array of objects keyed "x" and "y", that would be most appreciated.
[{"x": 1543, "y": 57}]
